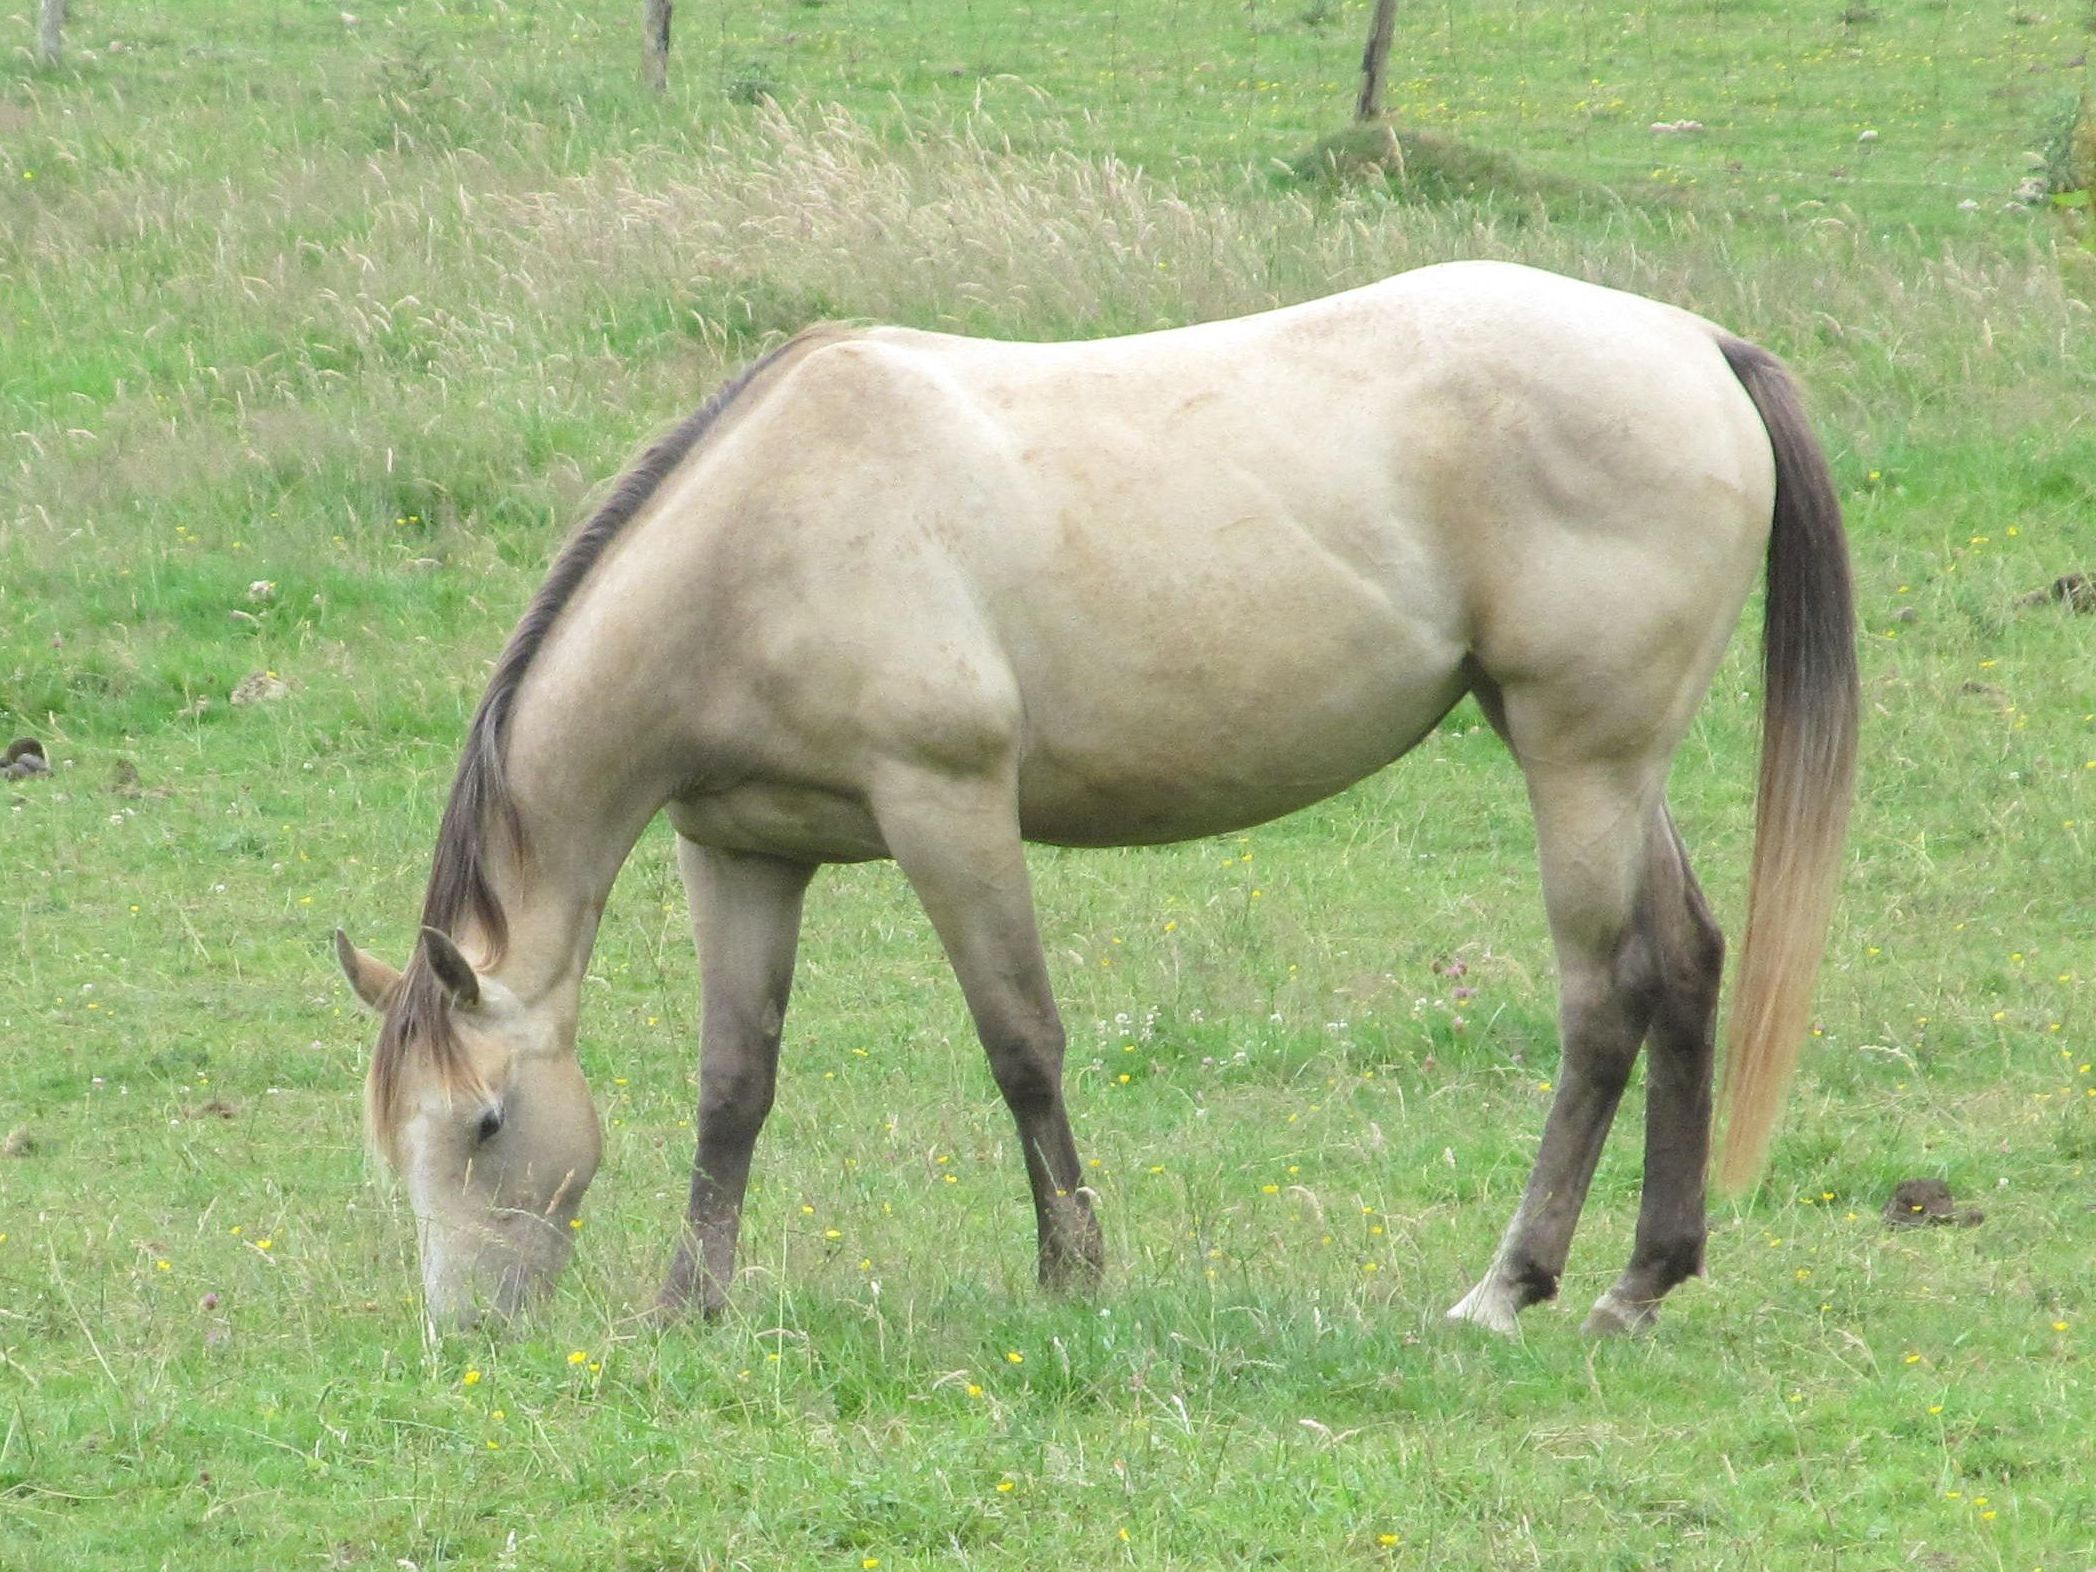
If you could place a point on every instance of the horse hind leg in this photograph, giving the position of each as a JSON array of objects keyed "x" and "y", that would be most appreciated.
[
  {"x": 1592, "y": 825},
  {"x": 1672, "y": 1221},
  {"x": 957, "y": 841},
  {"x": 746, "y": 915}
]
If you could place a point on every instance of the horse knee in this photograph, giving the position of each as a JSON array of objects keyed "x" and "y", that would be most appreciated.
[
  {"x": 1027, "y": 1065},
  {"x": 734, "y": 1099}
]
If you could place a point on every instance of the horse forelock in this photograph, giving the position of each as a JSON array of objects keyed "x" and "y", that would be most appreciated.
[
  {"x": 417, "y": 1028},
  {"x": 481, "y": 812}
]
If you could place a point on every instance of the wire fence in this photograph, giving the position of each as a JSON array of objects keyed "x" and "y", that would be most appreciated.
[{"x": 1911, "y": 106}]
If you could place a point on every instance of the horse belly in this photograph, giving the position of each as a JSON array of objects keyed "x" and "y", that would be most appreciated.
[{"x": 1223, "y": 724}]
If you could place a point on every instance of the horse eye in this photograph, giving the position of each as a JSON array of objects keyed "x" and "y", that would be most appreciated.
[{"x": 490, "y": 1124}]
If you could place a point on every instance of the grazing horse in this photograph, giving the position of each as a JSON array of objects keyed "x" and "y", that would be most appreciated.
[{"x": 903, "y": 594}]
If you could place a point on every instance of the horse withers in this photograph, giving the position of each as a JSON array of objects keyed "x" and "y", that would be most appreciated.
[{"x": 902, "y": 594}]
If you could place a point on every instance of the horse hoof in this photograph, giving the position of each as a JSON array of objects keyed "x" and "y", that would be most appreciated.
[
  {"x": 1614, "y": 1317},
  {"x": 683, "y": 1298},
  {"x": 673, "y": 1309},
  {"x": 1489, "y": 1305},
  {"x": 1073, "y": 1276}
]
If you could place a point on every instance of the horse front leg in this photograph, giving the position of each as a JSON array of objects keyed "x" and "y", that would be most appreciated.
[
  {"x": 957, "y": 841},
  {"x": 746, "y": 914}
]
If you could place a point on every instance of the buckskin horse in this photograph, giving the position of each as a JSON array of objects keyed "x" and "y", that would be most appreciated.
[{"x": 903, "y": 594}]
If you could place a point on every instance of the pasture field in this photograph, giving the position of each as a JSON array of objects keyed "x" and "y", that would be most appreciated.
[{"x": 314, "y": 335}]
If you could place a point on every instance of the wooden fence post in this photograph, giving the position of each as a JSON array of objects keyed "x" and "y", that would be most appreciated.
[
  {"x": 1374, "y": 60},
  {"x": 50, "y": 49},
  {"x": 656, "y": 28}
]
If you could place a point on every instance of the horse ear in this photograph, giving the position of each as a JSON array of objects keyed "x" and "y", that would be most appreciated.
[
  {"x": 371, "y": 977},
  {"x": 453, "y": 970}
]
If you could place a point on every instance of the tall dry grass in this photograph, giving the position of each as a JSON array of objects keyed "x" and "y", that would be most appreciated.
[{"x": 447, "y": 337}]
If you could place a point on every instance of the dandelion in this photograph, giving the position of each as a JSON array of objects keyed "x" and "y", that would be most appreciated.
[
  {"x": 1005, "y": 1487},
  {"x": 160, "y": 1265},
  {"x": 870, "y": 1562},
  {"x": 1269, "y": 1189},
  {"x": 2059, "y": 1326},
  {"x": 1387, "y": 1540},
  {"x": 470, "y": 1378},
  {"x": 974, "y": 1390},
  {"x": 833, "y": 1233},
  {"x": 575, "y": 1223},
  {"x": 1012, "y": 1356},
  {"x": 578, "y": 1357},
  {"x": 1913, "y": 1359},
  {"x": 264, "y": 1244}
]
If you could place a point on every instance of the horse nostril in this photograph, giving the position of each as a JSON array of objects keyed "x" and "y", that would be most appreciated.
[{"x": 490, "y": 1124}]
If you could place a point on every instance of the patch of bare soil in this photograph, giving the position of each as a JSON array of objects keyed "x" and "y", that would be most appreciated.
[
  {"x": 1923, "y": 1203},
  {"x": 2074, "y": 590}
]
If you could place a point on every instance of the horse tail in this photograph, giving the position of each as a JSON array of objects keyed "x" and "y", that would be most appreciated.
[{"x": 1808, "y": 770}]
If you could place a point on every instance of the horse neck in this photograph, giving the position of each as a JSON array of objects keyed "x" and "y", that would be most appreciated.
[{"x": 580, "y": 808}]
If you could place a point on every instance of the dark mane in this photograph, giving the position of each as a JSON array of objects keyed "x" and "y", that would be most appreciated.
[{"x": 481, "y": 811}]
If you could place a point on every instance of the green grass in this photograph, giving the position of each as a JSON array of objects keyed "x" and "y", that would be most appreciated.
[{"x": 365, "y": 312}]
